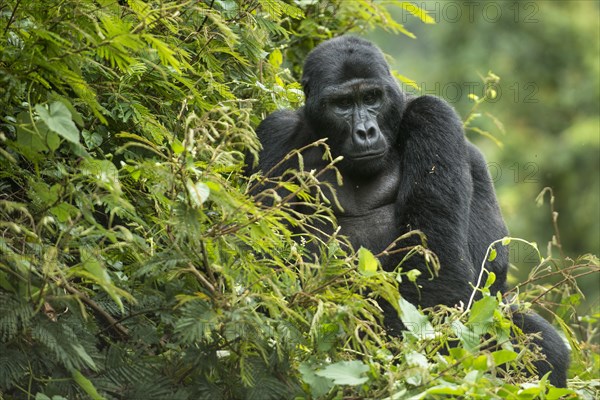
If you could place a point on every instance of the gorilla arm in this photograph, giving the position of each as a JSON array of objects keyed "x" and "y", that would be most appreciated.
[{"x": 434, "y": 197}]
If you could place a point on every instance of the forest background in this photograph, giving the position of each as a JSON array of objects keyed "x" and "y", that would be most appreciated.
[{"x": 134, "y": 264}]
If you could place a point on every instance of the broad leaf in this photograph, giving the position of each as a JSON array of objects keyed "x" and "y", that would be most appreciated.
[
  {"x": 367, "y": 263},
  {"x": 482, "y": 314},
  {"x": 345, "y": 373},
  {"x": 198, "y": 192},
  {"x": 58, "y": 119},
  {"x": 468, "y": 338},
  {"x": 319, "y": 386},
  {"x": 503, "y": 356},
  {"x": 415, "y": 322}
]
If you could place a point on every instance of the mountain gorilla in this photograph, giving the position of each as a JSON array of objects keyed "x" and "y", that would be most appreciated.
[{"x": 406, "y": 165}]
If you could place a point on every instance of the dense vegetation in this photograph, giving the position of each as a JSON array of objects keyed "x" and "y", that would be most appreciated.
[{"x": 133, "y": 263}]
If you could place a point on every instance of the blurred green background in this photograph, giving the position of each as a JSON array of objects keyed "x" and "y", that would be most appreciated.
[{"x": 547, "y": 54}]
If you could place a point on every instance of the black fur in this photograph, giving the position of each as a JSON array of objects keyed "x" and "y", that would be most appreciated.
[{"x": 406, "y": 166}]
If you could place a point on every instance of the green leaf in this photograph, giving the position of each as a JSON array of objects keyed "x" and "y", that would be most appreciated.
[
  {"x": 276, "y": 58},
  {"x": 91, "y": 268},
  {"x": 481, "y": 363},
  {"x": 415, "y": 322},
  {"x": 557, "y": 393},
  {"x": 277, "y": 8},
  {"x": 416, "y": 359},
  {"x": 52, "y": 140},
  {"x": 58, "y": 119},
  {"x": 30, "y": 141},
  {"x": 40, "y": 192},
  {"x": 30, "y": 135},
  {"x": 177, "y": 147},
  {"x": 493, "y": 254},
  {"x": 327, "y": 335},
  {"x": 165, "y": 52},
  {"x": 406, "y": 80},
  {"x": 64, "y": 211},
  {"x": 448, "y": 389},
  {"x": 491, "y": 278},
  {"x": 291, "y": 187},
  {"x": 468, "y": 338},
  {"x": 78, "y": 150},
  {"x": 345, "y": 373},
  {"x": 84, "y": 355},
  {"x": 413, "y": 274},
  {"x": 319, "y": 386},
  {"x": 91, "y": 139},
  {"x": 367, "y": 262},
  {"x": 86, "y": 385},
  {"x": 506, "y": 241},
  {"x": 74, "y": 114},
  {"x": 503, "y": 356},
  {"x": 482, "y": 314},
  {"x": 530, "y": 393},
  {"x": 198, "y": 192}
]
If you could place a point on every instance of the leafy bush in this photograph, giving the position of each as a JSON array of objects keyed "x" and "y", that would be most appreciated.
[{"x": 133, "y": 262}]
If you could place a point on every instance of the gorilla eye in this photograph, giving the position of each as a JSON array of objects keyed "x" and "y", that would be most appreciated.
[
  {"x": 343, "y": 102},
  {"x": 372, "y": 97}
]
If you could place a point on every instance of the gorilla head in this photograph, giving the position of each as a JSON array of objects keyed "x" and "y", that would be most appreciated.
[{"x": 353, "y": 100}]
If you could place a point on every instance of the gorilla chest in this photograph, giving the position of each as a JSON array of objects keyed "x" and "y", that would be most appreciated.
[
  {"x": 374, "y": 230},
  {"x": 368, "y": 215}
]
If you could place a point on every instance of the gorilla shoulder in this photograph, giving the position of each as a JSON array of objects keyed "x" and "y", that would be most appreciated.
[
  {"x": 429, "y": 109},
  {"x": 279, "y": 134},
  {"x": 279, "y": 127}
]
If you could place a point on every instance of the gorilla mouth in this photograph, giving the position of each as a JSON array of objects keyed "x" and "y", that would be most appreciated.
[{"x": 371, "y": 155}]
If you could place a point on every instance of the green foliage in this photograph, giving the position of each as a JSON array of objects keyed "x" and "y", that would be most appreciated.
[{"x": 133, "y": 262}]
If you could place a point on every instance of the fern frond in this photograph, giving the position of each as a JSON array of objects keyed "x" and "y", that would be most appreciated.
[
  {"x": 15, "y": 316},
  {"x": 13, "y": 366}
]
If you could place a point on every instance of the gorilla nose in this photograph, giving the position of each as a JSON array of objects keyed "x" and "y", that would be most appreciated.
[{"x": 365, "y": 134}]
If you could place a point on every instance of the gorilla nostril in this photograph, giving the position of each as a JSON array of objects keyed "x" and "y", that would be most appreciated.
[
  {"x": 362, "y": 134},
  {"x": 371, "y": 132}
]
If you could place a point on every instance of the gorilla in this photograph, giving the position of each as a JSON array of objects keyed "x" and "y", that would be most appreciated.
[{"x": 406, "y": 166}]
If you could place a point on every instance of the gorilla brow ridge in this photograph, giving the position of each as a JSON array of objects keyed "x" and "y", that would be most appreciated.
[{"x": 349, "y": 87}]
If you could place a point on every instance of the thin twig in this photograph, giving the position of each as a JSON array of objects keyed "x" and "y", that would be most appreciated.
[
  {"x": 113, "y": 323},
  {"x": 12, "y": 16},
  {"x": 206, "y": 16},
  {"x": 566, "y": 279},
  {"x": 202, "y": 279}
]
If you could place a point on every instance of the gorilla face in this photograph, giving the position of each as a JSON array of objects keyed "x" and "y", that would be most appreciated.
[
  {"x": 352, "y": 99},
  {"x": 352, "y": 110}
]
